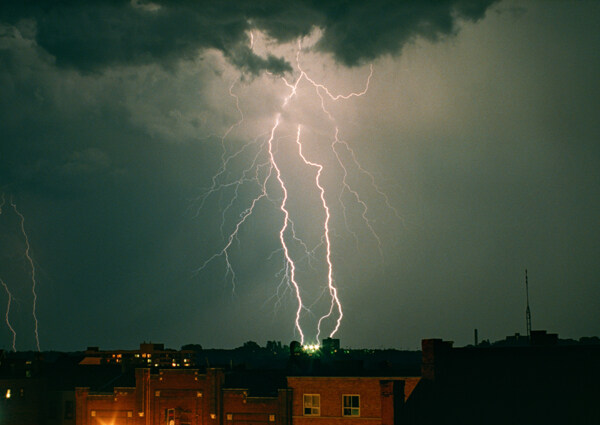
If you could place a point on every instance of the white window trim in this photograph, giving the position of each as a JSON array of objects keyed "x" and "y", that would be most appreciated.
[
  {"x": 352, "y": 409},
  {"x": 312, "y": 407}
]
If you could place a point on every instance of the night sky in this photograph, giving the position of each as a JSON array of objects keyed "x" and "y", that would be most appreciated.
[{"x": 473, "y": 155}]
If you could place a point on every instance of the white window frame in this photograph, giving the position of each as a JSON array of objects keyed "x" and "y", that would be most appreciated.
[
  {"x": 308, "y": 402},
  {"x": 350, "y": 411}
]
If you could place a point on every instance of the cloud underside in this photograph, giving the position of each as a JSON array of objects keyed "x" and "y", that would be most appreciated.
[{"x": 90, "y": 36}]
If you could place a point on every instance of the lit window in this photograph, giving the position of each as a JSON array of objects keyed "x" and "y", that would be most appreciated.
[
  {"x": 8, "y": 393},
  {"x": 312, "y": 404},
  {"x": 351, "y": 405}
]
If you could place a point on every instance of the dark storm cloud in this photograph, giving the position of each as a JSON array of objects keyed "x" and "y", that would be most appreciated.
[
  {"x": 361, "y": 30},
  {"x": 92, "y": 35}
]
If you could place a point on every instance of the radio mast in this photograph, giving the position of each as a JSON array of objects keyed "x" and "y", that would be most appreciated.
[{"x": 527, "y": 311}]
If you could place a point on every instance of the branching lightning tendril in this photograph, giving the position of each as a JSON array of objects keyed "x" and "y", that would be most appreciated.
[
  {"x": 33, "y": 277},
  {"x": 9, "y": 294},
  {"x": 14, "y": 333},
  {"x": 265, "y": 170}
]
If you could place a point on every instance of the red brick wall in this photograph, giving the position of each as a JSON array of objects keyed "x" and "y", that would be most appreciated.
[
  {"x": 195, "y": 398},
  {"x": 409, "y": 385},
  {"x": 117, "y": 408},
  {"x": 186, "y": 391},
  {"x": 331, "y": 389},
  {"x": 239, "y": 409}
]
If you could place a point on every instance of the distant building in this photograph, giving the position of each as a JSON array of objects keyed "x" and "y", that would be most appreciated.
[
  {"x": 330, "y": 346},
  {"x": 148, "y": 355}
]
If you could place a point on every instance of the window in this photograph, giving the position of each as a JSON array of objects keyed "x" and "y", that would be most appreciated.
[
  {"x": 312, "y": 404},
  {"x": 351, "y": 405},
  {"x": 170, "y": 416}
]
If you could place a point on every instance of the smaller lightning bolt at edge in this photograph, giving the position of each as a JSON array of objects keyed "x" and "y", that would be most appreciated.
[
  {"x": 33, "y": 278},
  {"x": 14, "y": 339}
]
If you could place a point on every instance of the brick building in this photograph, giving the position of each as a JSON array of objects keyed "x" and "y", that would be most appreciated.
[
  {"x": 347, "y": 400},
  {"x": 171, "y": 396},
  {"x": 188, "y": 397},
  {"x": 240, "y": 408}
]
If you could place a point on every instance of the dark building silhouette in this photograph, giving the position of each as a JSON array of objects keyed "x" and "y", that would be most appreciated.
[
  {"x": 148, "y": 355},
  {"x": 542, "y": 383}
]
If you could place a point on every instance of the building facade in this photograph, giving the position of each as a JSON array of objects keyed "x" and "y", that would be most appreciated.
[
  {"x": 171, "y": 396},
  {"x": 345, "y": 400},
  {"x": 188, "y": 397}
]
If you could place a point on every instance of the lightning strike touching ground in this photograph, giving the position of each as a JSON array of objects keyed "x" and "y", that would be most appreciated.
[
  {"x": 290, "y": 265},
  {"x": 335, "y": 302},
  {"x": 266, "y": 174},
  {"x": 33, "y": 278}
]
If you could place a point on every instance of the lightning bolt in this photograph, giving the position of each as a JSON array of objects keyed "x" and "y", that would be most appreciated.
[
  {"x": 335, "y": 302},
  {"x": 14, "y": 347},
  {"x": 290, "y": 265},
  {"x": 33, "y": 278},
  {"x": 14, "y": 339},
  {"x": 264, "y": 168}
]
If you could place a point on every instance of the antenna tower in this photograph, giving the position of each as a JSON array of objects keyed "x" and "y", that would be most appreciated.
[{"x": 527, "y": 311}]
